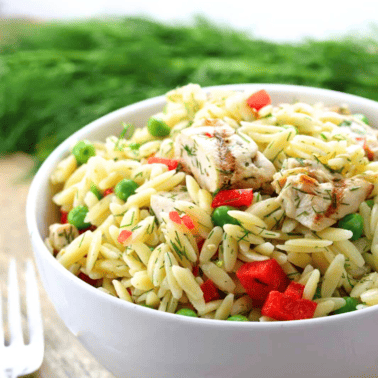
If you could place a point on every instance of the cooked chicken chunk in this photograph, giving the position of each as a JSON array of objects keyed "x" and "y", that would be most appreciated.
[
  {"x": 62, "y": 235},
  {"x": 165, "y": 201},
  {"x": 220, "y": 158},
  {"x": 316, "y": 198}
]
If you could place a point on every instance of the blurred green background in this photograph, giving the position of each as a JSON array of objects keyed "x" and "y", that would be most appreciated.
[{"x": 57, "y": 77}]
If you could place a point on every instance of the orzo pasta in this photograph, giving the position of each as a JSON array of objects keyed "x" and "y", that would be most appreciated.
[{"x": 226, "y": 206}]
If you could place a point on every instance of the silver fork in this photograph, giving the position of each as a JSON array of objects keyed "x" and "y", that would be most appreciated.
[{"x": 17, "y": 358}]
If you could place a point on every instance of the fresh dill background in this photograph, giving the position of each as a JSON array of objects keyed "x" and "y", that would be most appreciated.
[{"x": 57, "y": 77}]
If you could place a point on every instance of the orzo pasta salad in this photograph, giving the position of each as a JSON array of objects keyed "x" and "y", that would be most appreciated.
[{"x": 226, "y": 206}]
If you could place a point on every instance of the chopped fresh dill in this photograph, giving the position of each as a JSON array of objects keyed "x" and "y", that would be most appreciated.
[{"x": 126, "y": 128}]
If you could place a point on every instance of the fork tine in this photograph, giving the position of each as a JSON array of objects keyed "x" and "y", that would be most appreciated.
[
  {"x": 33, "y": 306},
  {"x": 14, "y": 311}
]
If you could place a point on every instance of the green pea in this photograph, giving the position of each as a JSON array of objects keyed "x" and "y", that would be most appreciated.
[
  {"x": 77, "y": 215},
  {"x": 134, "y": 146},
  {"x": 125, "y": 188},
  {"x": 220, "y": 216},
  {"x": 83, "y": 150},
  {"x": 354, "y": 223},
  {"x": 361, "y": 117},
  {"x": 187, "y": 312},
  {"x": 96, "y": 191},
  {"x": 370, "y": 203},
  {"x": 346, "y": 123},
  {"x": 351, "y": 305},
  {"x": 157, "y": 127},
  {"x": 238, "y": 318}
]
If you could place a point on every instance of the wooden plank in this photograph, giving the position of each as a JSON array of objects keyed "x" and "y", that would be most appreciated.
[{"x": 65, "y": 357}]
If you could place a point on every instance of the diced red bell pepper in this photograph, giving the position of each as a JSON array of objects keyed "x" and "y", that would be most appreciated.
[
  {"x": 284, "y": 307},
  {"x": 63, "y": 217},
  {"x": 174, "y": 216},
  {"x": 87, "y": 279},
  {"x": 233, "y": 197},
  {"x": 123, "y": 236},
  {"x": 210, "y": 292},
  {"x": 259, "y": 278},
  {"x": 170, "y": 163},
  {"x": 195, "y": 271},
  {"x": 200, "y": 244},
  {"x": 294, "y": 290},
  {"x": 188, "y": 222},
  {"x": 258, "y": 100},
  {"x": 209, "y": 135},
  {"x": 108, "y": 191}
]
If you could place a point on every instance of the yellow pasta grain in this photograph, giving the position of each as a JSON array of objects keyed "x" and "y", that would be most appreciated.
[
  {"x": 242, "y": 305},
  {"x": 224, "y": 310},
  {"x": 168, "y": 185},
  {"x": 193, "y": 188},
  {"x": 130, "y": 218},
  {"x": 348, "y": 249},
  {"x": 323, "y": 309},
  {"x": 239, "y": 234},
  {"x": 264, "y": 249},
  {"x": 121, "y": 291},
  {"x": 76, "y": 250},
  {"x": 311, "y": 285},
  {"x": 108, "y": 251},
  {"x": 143, "y": 252},
  {"x": 365, "y": 212},
  {"x": 140, "y": 199},
  {"x": 64, "y": 170},
  {"x": 250, "y": 256},
  {"x": 141, "y": 281},
  {"x": 187, "y": 282},
  {"x": 132, "y": 262},
  {"x": 280, "y": 257},
  {"x": 76, "y": 176},
  {"x": 230, "y": 252},
  {"x": 370, "y": 297},
  {"x": 156, "y": 181},
  {"x": 108, "y": 287},
  {"x": 211, "y": 244},
  {"x": 66, "y": 197},
  {"x": 169, "y": 262},
  {"x": 152, "y": 299},
  {"x": 365, "y": 284},
  {"x": 335, "y": 234},
  {"x": 112, "y": 268},
  {"x": 332, "y": 276},
  {"x": 337, "y": 302},
  {"x": 211, "y": 307},
  {"x": 299, "y": 259},
  {"x": 220, "y": 278},
  {"x": 204, "y": 200}
]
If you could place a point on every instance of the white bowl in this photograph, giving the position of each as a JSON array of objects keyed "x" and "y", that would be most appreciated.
[{"x": 135, "y": 341}]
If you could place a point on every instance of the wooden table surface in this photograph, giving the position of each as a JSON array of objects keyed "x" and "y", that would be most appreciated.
[{"x": 64, "y": 356}]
